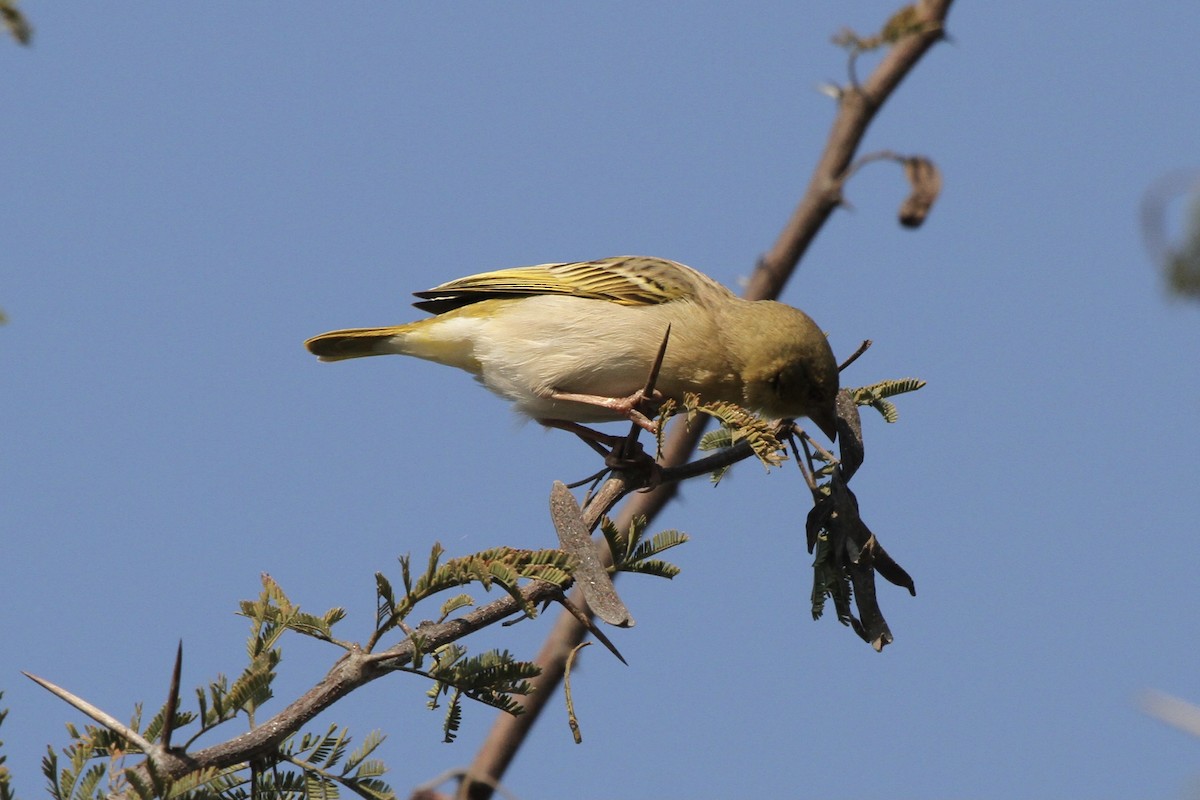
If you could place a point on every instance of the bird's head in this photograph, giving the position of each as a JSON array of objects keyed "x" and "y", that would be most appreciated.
[{"x": 790, "y": 370}]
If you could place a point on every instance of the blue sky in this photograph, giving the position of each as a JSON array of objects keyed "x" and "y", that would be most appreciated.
[{"x": 189, "y": 191}]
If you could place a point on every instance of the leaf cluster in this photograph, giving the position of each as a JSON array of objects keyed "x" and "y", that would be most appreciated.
[
  {"x": 631, "y": 552},
  {"x": 305, "y": 764},
  {"x": 93, "y": 764},
  {"x": 906, "y": 22},
  {"x": 6, "y": 792},
  {"x": 491, "y": 678},
  {"x": 876, "y": 395},
  {"x": 502, "y": 566},
  {"x": 311, "y": 765},
  {"x": 324, "y": 765},
  {"x": 737, "y": 425}
]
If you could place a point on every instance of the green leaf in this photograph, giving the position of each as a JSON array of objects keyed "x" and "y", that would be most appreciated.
[
  {"x": 359, "y": 757},
  {"x": 454, "y": 604},
  {"x": 385, "y": 599},
  {"x": 875, "y": 394},
  {"x": 618, "y": 543},
  {"x": 453, "y": 718},
  {"x": 318, "y": 787},
  {"x": 251, "y": 690},
  {"x": 641, "y": 559}
]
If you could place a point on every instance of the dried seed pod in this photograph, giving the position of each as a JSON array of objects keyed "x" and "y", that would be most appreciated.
[{"x": 926, "y": 182}]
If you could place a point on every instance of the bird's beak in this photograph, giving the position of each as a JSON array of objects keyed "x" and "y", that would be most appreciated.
[{"x": 826, "y": 420}]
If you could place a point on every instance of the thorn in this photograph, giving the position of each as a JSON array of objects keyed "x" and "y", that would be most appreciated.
[
  {"x": 593, "y": 479},
  {"x": 648, "y": 389},
  {"x": 652, "y": 378},
  {"x": 583, "y": 619},
  {"x": 110, "y": 722},
  {"x": 172, "y": 699},
  {"x": 830, "y": 89}
]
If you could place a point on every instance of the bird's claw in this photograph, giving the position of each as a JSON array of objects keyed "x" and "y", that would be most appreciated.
[{"x": 630, "y": 457}]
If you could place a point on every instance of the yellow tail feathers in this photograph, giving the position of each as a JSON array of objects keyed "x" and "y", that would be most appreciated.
[
  {"x": 447, "y": 339},
  {"x": 353, "y": 343}
]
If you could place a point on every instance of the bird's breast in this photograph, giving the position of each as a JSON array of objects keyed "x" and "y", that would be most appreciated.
[{"x": 542, "y": 344}]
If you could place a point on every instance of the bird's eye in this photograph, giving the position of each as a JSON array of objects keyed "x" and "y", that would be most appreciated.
[{"x": 776, "y": 382}]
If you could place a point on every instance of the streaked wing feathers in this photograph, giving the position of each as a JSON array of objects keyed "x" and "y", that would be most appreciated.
[{"x": 627, "y": 280}]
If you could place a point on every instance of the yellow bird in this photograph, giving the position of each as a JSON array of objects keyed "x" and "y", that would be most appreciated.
[{"x": 573, "y": 343}]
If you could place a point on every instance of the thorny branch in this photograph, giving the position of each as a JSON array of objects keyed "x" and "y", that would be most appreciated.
[
  {"x": 360, "y": 666},
  {"x": 858, "y": 105}
]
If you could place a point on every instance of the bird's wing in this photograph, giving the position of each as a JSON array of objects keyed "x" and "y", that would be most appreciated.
[{"x": 627, "y": 280}]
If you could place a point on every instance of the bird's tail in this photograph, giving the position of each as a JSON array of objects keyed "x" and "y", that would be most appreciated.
[{"x": 358, "y": 342}]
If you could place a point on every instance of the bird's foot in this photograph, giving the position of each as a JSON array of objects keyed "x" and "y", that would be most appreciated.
[
  {"x": 620, "y": 452},
  {"x": 638, "y": 408}
]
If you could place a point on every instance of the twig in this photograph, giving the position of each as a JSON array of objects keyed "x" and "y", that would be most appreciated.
[
  {"x": 1171, "y": 710},
  {"x": 825, "y": 454},
  {"x": 862, "y": 348},
  {"x": 803, "y": 464},
  {"x": 572, "y": 720},
  {"x": 427, "y": 789},
  {"x": 856, "y": 110},
  {"x": 878, "y": 155}
]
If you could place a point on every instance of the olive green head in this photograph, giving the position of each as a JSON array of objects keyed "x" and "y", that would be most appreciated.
[{"x": 789, "y": 369}]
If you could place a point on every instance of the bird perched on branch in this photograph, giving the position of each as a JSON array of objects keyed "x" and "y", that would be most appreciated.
[{"x": 573, "y": 343}]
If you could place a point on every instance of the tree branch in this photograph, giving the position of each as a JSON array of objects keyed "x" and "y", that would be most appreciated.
[
  {"x": 359, "y": 666},
  {"x": 857, "y": 108}
]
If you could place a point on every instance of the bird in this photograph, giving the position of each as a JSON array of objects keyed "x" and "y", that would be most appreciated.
[{"x": 571, "y": 343}]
